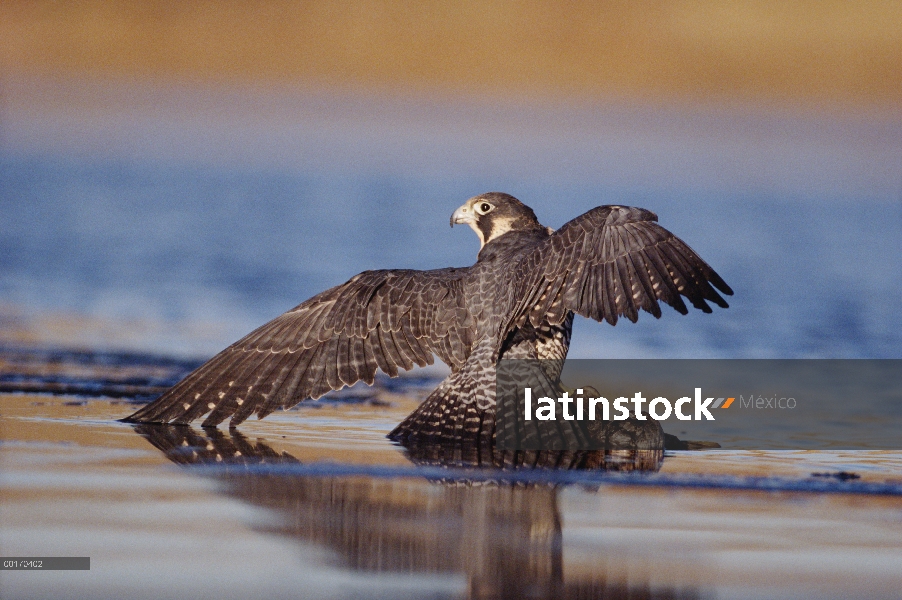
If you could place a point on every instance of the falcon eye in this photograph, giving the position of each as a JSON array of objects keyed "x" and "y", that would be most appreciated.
[{"x": 484, "y": 208}]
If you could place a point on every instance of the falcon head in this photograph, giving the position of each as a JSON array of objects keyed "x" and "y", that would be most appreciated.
[{"x": 493, "y": 214}]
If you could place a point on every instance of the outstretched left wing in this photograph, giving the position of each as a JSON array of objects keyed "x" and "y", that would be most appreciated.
[{"x": 611, "y": 262}]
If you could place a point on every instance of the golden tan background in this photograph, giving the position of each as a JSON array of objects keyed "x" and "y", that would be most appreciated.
[{"x": 822, "y": 53}]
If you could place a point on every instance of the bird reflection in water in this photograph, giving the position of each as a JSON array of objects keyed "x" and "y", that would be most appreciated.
[{"x": 504, "y": 535}]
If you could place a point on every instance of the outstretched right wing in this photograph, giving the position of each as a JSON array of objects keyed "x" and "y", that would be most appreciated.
[{"x": 377, "y": 320}]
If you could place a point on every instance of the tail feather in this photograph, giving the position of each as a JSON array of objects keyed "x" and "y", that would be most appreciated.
[{"x": 445, "y": 416}]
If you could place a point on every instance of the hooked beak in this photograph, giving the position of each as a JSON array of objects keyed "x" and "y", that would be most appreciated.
[{"x": 463, "y": 215}]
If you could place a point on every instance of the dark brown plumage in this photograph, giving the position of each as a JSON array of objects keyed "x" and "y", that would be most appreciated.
[{"x": 517, "y": 301}]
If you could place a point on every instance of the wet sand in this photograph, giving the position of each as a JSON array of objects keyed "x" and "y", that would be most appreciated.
[{"x": 317, "y": 502}]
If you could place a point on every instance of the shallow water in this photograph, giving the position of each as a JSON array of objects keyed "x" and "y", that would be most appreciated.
[
  {"x": 194, "y": 214},
  {"x": 316, "y": 502}
]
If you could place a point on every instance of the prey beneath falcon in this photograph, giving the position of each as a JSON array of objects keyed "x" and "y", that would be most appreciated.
[{"x": 517, "y": 301}]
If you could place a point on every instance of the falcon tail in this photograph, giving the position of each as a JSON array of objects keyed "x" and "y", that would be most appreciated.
[{"x": 444, "y": 417}]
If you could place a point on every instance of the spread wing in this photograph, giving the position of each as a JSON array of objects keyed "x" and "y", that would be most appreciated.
[
  {"x": 611, "y": 262},
  {"x": 378, "y": 319}
]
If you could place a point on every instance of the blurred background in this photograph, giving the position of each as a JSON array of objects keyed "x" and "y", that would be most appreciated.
[{"x": 174, "y": 174}]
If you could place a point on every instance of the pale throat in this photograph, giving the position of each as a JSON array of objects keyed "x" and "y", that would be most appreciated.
[{"x": 500, "y": 226}]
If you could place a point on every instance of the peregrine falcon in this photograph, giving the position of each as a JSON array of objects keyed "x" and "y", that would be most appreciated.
[{"x": 516, "y": 301}]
